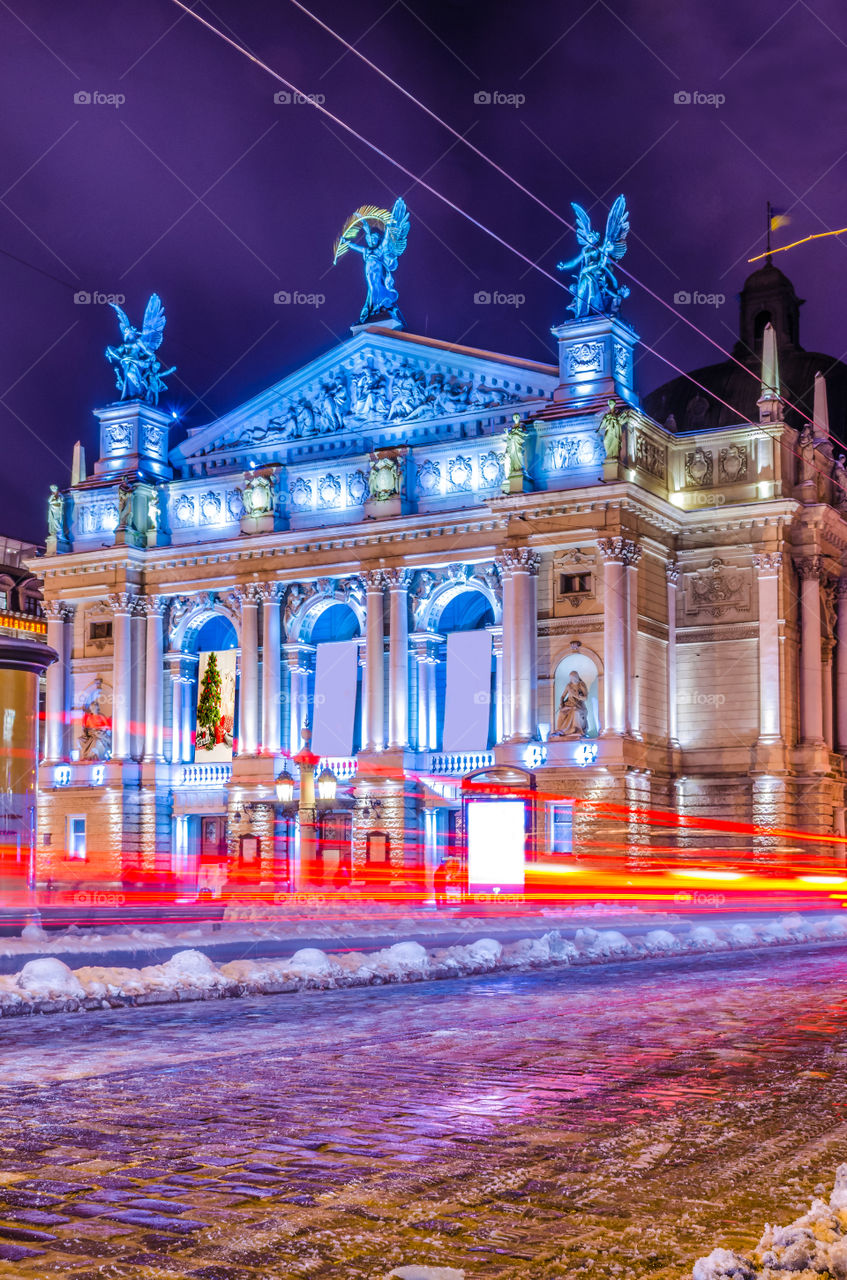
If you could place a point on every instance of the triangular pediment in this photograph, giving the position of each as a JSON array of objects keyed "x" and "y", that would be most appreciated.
[{"x": 376, "y": 381}]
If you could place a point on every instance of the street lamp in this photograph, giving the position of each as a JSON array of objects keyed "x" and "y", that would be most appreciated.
[
  {"x": 285, "y": 786},
  {"x": 327, "y": 785}
]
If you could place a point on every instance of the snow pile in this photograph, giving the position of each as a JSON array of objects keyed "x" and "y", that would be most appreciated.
[
  {"x": 49, "y": 979},
  {"x": 426, "y": 1273},
  {"x": 815, "y": 1245},
  {"x": 659, "y": 940},
  {"x": 603, "y": 944}
]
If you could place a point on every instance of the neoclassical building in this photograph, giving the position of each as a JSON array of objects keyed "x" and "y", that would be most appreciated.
[{"x": 447, "y": 563}]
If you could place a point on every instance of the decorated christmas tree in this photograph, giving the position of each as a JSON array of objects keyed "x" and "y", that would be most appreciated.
[{"x": 209, "y": 703}]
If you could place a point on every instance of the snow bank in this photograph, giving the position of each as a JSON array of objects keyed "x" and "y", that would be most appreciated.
[
  {"x": 426, "y": 1273},
  {"x": 813, "y": 1245},
  {"x": 47, "y": 984}
]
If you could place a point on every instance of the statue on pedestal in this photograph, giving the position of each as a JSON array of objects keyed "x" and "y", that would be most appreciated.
[
  {"x": 572, "y": 714},
  {"x": 55, "y": 513},
  {"x": 125, "y": 513},
  {"x": 612, "y": 429},
  {"x": 381, "y": 252},
  {"x": 95, "y": 742},
  {"x": 154, "y": 513},
  {"x": 138, "y": 373},
  {"x": 596, "y": 290},
  {"x": 515, "y": 456}
]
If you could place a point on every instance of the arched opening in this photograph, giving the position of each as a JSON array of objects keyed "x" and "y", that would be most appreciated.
[
  {"x": 213, "y": 694},
  {"x": 576, "y": 706},
  {"x": 465, "y": 710},
  {"x": 334, "y": 698},
  {"x": 337, "y": 622},
  {"x": 211, "y": 632},
  {"x": 467, "y": 611},
  {"x": 762, "y": 320}
]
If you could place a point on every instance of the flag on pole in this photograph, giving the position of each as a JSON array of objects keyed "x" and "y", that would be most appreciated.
[{"x": 778, "y": 218}]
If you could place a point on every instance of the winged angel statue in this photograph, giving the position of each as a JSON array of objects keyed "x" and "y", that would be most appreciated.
[
  {"x": 139, "y": 374},
  {"x": 596, "y": 290},
  {"x": 384, "y": 240}
]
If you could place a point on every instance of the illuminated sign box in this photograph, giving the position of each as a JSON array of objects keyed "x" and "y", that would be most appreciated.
[{"x": 496, "y": 846}]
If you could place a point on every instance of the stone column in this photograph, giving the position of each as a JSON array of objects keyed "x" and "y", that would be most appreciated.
[
  {"x": 770, "y": 701},
  {"x": 373, "y": 730},
  {"x": 841, "y": 667},
  {"x": 248, "y": 712},
  {"x": 497, "y": 652},
  {"x": 426, "y": 646},
  {"x": 631, "y": 679},
  {"x": 397, "y": 581},
  {"x": 810, "y": 570},
  {"x": 506, "y": 650},
  {"x": 121, "y": 603},
  {"x": 672, "y": 576},
  {"x": 299, "y": 658},
  {"x": 154, "y": 608},
  {"x": 614, "y": 552},
  {"x": 522, "y": 628},
  {"x": 271, "y": 658},
  {"x": 827, "y": 647},
  {"x": 55, "y": 709},
  {"x": 174, "y": 661}
]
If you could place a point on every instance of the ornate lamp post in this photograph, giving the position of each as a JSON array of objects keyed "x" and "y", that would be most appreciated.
[{"x": 315, "y": 794}]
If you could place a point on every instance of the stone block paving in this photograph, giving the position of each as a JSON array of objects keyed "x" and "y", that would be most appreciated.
[{"x": 612, "y": 1122}]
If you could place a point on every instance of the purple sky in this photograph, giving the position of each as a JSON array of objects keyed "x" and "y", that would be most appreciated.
[{"x": 203, "y": 188}]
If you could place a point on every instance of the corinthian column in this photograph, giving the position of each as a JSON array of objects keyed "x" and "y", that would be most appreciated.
[
  {"x": 768, "y": 567},
  {"x": 271, "y": 657},
  {"x": 154, "y": 608},
  {"x": 57, "y": 681},
  {"x": 810, "y": 570},
  {"x": 672, "y": 575},
  {"x": 374, "y": 712},
  {"x": 614, "y": 552},
  {"x": 121, "y": 603},
  {"x": 632, "y": 682},
  {"x": 397, "y": 581},
  {"x": 841, "y": 668},
  {"x": 519, "y": 568},
  {"x": 248, "y": 712}
]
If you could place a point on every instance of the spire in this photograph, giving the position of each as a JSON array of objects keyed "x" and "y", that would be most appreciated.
[
  {"x": 820, "y": 410},
  {"x": 769, "y": 403},
  {"x": 78, "y": 465}
]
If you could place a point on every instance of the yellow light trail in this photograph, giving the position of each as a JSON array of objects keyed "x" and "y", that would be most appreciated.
[{"x": 819, "y": 235}]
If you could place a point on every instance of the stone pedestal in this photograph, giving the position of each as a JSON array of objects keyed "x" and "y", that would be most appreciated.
[
  {"x": 517, "y": 482},
  {"x": 133, "y": 437},
  {"x": 56, "y": 546},
  {"x": 595, "y": 360},
  {"x": 383, "y": 508},
  {"x": 257, "y": 524}
]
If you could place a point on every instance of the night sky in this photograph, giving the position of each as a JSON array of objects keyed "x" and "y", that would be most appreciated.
[{"x": 201, "y": 187}]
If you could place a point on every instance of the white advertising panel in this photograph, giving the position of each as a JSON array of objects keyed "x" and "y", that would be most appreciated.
[
  {"x": 467, "y": 708},
  {"x": 215, "y": 706},
  {"x": 334, "y": 713},
  {"x": 496, "y": 845}
]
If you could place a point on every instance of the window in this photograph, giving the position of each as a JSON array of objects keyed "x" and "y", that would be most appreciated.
[
  {"x": 376, "y": 849},
  {"x": 561, "y": 828},
  {"x": 76, "y": 836},
  {"x": 4, "y": 599},
  {"x": 100, "y": 631},
  {"x": 574, "y": 584}
]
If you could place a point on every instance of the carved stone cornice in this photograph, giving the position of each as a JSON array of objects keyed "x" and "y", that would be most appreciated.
[
  {"x": 809, "y": 567},
  {"x": 122, "y": 602},
  {"x": 769, "y": 562},
  {"x": 672, "y": 572},
  {"x": 397, "y": 579},
  {"x": 518, "y": 560}
]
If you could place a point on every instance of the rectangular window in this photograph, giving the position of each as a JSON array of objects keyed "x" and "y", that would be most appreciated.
[
  {"x": 561, "y": 828},
  {"x": 574, "y": 584},
  {"x": 76, "y": 836},
  {"x": 4, "y": 599},
  {"x": 100, "y": 631}
]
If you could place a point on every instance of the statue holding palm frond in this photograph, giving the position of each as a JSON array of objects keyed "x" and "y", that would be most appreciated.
[{"x": 384, "y": 236}]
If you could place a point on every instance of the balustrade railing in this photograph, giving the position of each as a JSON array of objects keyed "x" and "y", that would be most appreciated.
[
  {"x": 458, "y": 763},
  {"x": 344, "y": 767},
  {"x": 203, "y": 775}
]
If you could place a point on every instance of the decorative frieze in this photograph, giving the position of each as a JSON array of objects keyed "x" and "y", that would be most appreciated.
[
  {"x": 699, "y": 469},
  {"x": 717, "y": 590}
]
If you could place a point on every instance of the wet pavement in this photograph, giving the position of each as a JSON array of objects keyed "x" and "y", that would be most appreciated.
[{"x": 611, "y": 1121}]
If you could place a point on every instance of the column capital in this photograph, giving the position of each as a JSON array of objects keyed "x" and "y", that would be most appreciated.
[
  {"x": 809, "y": 567},
  {"x": 58, "y": 610},
  {"x": 269, "y": 592},
  {"x": 374, "y": 580},
  {"x": 397, "y": 579},
  {"x": 518, "y": 560},
  {"x": 841, "y": 588},
  {"x": 672, "y": 572},
  {"x": 153, "y": 606},
  {"x": 767, "y": 562},
  {"x": 619, "y": 550},
  {"x": 122, "y": 602},
  {"x": 246, "y": 594},
  {"x": 425, "y": 646}
]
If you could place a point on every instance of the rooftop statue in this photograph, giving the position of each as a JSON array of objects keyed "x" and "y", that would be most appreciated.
[
  {"x": 596, "y": 290},
  {"x": 381, "y": 250},
  {"x": 139, "y": 374}
]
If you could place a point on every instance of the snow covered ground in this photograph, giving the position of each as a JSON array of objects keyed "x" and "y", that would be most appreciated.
[
  {"x": 48, "y": 984},
  {"x": 814, "y": 1245}
]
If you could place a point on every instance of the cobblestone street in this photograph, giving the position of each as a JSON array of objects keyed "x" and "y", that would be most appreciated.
[{"x": 617, "y": 1121}]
